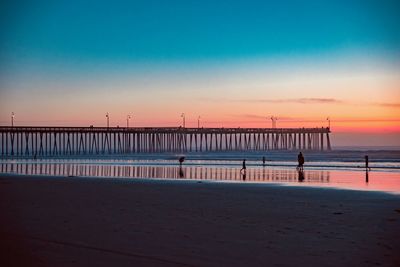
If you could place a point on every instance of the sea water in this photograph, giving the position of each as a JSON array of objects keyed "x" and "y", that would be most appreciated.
[{"x": 340, "y": 168}]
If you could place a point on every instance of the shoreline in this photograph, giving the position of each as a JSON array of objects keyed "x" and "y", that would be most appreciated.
[
  {"x": 354, "y": 179},
  {"x": 146, "y": 222},
  {"x": 171, "y": 160}
]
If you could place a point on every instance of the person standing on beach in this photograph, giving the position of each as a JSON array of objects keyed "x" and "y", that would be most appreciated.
[
  {"x": 263, "y": 161},
  {"x": 366, "y": 163},
  {"x": 243, "y": 166},
  {"x": 300, "y": 160}
]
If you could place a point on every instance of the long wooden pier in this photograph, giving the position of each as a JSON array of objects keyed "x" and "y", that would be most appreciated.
[{"x": 41, "y": 141}]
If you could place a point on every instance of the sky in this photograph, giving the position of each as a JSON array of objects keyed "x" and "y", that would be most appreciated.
[{"x": 231, "y": 63}]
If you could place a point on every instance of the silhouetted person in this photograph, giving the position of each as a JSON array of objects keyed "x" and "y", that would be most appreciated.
[
  {"x": 366, "y": 163},
  {"x": 181, "y": 160},
  {"x": 263, "y": 161},
  {"x": 301, "y": 176},
  {"x": 243, "y": 166},
  {"x": 300, "y": 160}
]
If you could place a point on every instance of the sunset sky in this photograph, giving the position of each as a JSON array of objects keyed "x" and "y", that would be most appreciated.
[{"x": 233, "y": 63}]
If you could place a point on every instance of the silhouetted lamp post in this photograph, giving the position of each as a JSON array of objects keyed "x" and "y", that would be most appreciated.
[
  {"x": 198, "y": 122},
  {"x": 12, "y": 119},
  {"x": 329, "y": 122},
  {"x": 274, "y": 119},
  {"x": 127, "y": 120},
  {"x": 108, "y": 119},
  {"x": 183, "y": 118}
]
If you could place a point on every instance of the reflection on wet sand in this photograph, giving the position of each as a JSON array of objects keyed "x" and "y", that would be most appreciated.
[
  {"x": 168, "y": 172},
  {"x": 301, "y": 175},
  {"x": 370, "y": 180},
  {"x": 181, "y": 173}
]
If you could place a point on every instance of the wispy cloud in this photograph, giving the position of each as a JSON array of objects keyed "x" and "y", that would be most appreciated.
[
  {"x": 305, "y": 119},
  {"x": 366, "y": 120},
  {"x": 277, "y": 101},
  {"x": 388, "y": 105},
  {"x": 296, "y": 100},
  {"x": 255, "y": 116},
  {"x": 308, "y": 101},
  {"x": 215, "y": 100}
]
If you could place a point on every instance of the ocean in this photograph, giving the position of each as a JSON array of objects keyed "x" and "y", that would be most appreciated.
[{"x": 339, "y": 168}]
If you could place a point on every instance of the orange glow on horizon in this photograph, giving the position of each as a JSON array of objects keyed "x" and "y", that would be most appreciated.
[{"x": 357, "y": 100}]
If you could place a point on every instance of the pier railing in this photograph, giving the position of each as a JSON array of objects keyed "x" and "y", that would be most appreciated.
[{"x": 31, "y": 141}]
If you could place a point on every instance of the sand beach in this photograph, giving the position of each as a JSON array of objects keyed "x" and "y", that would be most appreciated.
[{"x": 71, "y": 221}]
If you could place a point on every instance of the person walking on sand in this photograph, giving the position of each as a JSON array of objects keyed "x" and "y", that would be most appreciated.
[
  {"x": 243, "y": 166},
  {"x": 300, "y": 160}
]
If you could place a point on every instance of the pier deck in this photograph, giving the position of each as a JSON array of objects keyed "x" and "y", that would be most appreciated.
[{"x": 25, "y": 141}]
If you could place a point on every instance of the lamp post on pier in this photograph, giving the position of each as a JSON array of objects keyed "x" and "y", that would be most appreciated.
[
  {"x": 274, "y": 119},
  {"x": 108, "y": 119},
  {"x": 127, "y": 120},
  {"x": 329, "y": 122},
  {"x": 12, "y": 118},
  {"x": 198, "y": 122},
  {"x": 183, "y": 118}
]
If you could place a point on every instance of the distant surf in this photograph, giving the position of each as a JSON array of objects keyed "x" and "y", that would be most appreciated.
[{"x": 349, "y": 159}]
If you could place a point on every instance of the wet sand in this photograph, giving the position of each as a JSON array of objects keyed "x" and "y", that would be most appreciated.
[{"x": 49, "y": 221}]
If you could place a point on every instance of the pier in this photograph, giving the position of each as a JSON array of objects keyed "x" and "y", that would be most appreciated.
[{"x": 48, "y": 141}]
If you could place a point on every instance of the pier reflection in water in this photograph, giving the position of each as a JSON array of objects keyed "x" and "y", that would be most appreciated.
[
  {"x": 167, "y": 172},
  {"x": 346, "y": 179}
]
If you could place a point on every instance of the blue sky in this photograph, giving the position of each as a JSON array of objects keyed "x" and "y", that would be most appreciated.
[{"x": 158, "y": 31}]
